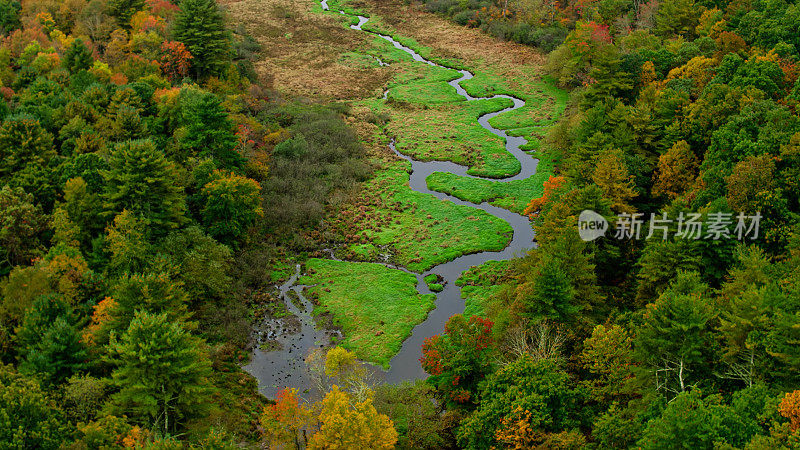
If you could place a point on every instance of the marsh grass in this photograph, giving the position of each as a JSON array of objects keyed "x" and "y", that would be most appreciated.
[
  {"x": 375, "y": 306},
  {"x": 480, "y": 284},
  {"x": 513, "y": 195}
]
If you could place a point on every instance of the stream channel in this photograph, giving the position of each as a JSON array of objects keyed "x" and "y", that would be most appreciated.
[{"x": 284, "y": 366}]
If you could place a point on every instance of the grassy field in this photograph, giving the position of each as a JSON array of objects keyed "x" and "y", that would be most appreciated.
[
  {"x": 514, "y": 195},
  {"x": 544, "y": 102},
  {"x": 375, "y": 306},
  {"x": 451, "y": 133},
  {"x": 422, "y": 230},
  {"x": 479, "y": 284}
]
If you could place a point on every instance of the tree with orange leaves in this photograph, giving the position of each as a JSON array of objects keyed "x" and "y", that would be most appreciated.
[
  {"x": 790, "y": 408},
  {"x": 552, "y": 185},
  {"x": 286, "y": 421},
  {"x": 175, "y": 60},
  {"x": 100, "y": 318}
]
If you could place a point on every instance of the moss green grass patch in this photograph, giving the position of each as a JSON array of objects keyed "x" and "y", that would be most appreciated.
[
  {"x": 376, "y": 306},
  {"x": 425, "y": 231},
  {"x": 434, "y": 282},
  {"x": 420, "y": 230},
  {"x": 427, "y": 93},
  {"x": 512, "y": 195},
  {"x": 451, "y": 133},
  {"x": 479, "y": 284},
  {"x": 544, "y": 102}
]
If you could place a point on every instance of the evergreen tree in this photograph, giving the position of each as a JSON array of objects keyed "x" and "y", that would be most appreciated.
[
  {"x": 28, "y": 419},
  {"x": 48, "y": 341},
  {"x": 162, "y": 372},
  {"x": 609, "y": 79},
  {"x": 551, "y": 296},
  {"x": 200, "y": 26},
  {"x": 688, "y": 422},
  {"x": 78, "y": 57},
  {"x": 23, "y": 142},
  {"x": 208, "y": 131},
  {"x": 58, "y": 353},
  {"x": 9, "y": 16},
  {"x": 154, "y": 293},
  {"x": 674, "y": 339},
  {"x": 123, "y": 10},
  {"x": 20, "y": 225},
  {"x": 141, "y": 180}
]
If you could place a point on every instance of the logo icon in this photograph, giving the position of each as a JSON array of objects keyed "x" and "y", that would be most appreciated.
[{"x": 591, "y": 225}]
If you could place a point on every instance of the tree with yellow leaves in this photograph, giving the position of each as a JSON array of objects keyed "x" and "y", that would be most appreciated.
[
  {"x": 677, "y": 169},
  {"x": 345, "y": 423},
  {"x": 611, "y": 175}
]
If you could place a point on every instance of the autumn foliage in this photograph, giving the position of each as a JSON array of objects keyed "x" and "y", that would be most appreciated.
[
  {"x": 552, "y": 185},
  {"x": 790, "y": 409},
  {"x": 175, "y": 60}
]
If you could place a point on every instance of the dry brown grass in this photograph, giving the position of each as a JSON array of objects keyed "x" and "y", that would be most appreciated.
[
  {"x": 301, "y": 50},
  {"x": 476, "y": 49}
]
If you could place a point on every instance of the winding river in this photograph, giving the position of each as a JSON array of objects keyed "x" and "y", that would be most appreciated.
[{"x": 284, "y": 367}]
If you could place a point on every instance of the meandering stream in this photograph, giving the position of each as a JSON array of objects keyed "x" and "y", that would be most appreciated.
[{"x": 284, "y": 367}]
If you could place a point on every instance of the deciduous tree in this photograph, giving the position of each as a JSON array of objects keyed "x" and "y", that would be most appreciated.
[
  {"x": 345, "y": 423},
  {"x": 232, "y": 205},
  {"x": 286, "y": 421},
  {"x": 676, "y": 172},
  {"x": 459, "y": 359}
]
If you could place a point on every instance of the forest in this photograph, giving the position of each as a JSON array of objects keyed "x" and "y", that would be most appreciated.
[{"x": 186, "y": 189}]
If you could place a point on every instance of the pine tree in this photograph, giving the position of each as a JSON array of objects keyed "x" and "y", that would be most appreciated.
[
  {"x": 141, "y": 180},
  {"x": 58, "y": 354},
  {"x": 78, "y": 57},
  {"x": 154, "y": 293},
  {"x": 23, "y": 142},
  {"x": 673, "y": 342},
  {"x": 208, "y": 131},
  {"x": 162, "y": 372},
  {"x": 552, "y": 295},
  {"x": 49, "y": 342},
  {"x": 200, "y": 26},
  {"x": 20, "y": 224},
  {"x": 609, "y": 79}
]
